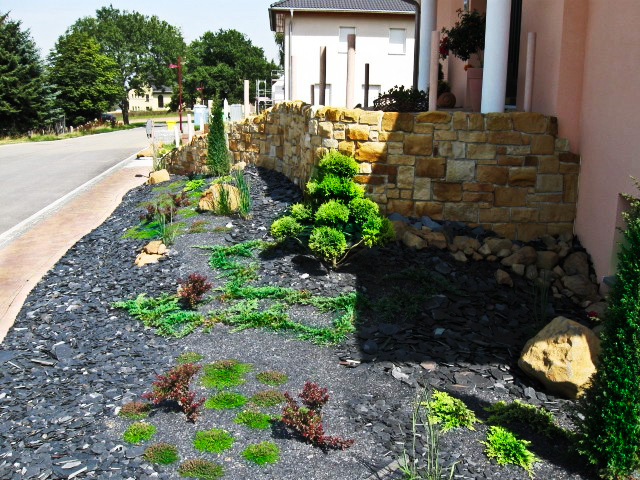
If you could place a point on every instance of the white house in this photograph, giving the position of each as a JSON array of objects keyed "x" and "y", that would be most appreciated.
[
  {"x": 156, "y": 98},
  {"x": 385, "y": 39}
]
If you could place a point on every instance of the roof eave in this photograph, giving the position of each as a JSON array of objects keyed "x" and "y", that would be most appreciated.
[{"x": 273, "y": 10}]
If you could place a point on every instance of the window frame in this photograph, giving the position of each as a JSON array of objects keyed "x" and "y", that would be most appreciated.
[
  {"x": 345, "y": 44},
  {"x": 404, "y": 42}
]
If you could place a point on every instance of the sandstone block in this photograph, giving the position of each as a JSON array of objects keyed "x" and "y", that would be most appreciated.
[
  {"x": 505, "y": 138},
  {"x": 510, "y": 196},
  {"x": 481, "y": 151},
  {"x": 492, "y": 174},
  {"x": 503, "y": 278},
  {"x": 570, "y": 188},
  {"x": 430, "y": 167},
  {"x": 371, "y": 152},
  {"x": 370, "y": 118},
  {"x": 210, "y": 200},
  {"x": 412, "y": 240},
  {"x": 562, "y": 356},
  {"x": 405, "y": 177},
  {"x": 402, "y": 160},
  {"x": 325, "y": 129},
  {"x": 418, "y": 144},
  {"x": 447, "y": 192},
  {"x": 433, "y": 117},
  {"x": 358, "y": 132},
  {"x": 445, "y": 135},
  {"x": 462, "y": 242},
  {"x": 548, "y": 164},
  {"x": 430, "y": 209},
  {"x": 460, "y": 212},
  {"x": 392, "y": 121},
  {"x": 494, "y": 215},
  {"x": 460, "y": 121},
  {"x": 435, "y": 239},
  {"x": 499, "y": 121},
  {"x": 460, "y": 170},
  {"x": 547, "y": 260},
  {"x": 476, "y": 121},
  {"x": 530, "y": 122},
  {"x": 472, "y": 137},
  {"x": 542, "y": 144},
  {"x": 558, "y": 213},
  {"x": 524, "y": 215},
  {"x": 421, "y": 188},
  {"x": 400, "y": 228},
  {"x": 577, "y": 264},
  {"x": 525, "y": 256},
  {"x": 460, "y": 256},
  {"x": 158, "y": 177},
  {"x": 350, "y": 116},
  {"x": 522, "y": 177},
  {"x": 403, "y": 207}
]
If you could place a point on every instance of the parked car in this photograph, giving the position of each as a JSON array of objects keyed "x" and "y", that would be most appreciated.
[{"x": 107, "y": 117}]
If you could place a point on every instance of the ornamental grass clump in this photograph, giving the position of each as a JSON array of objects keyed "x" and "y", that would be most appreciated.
[
  {"x": 174, "y": 387},
  {"x": 306, "y": 420},
  {"x": 609, "y": 433},
  {"x": 337, "y": 219}
]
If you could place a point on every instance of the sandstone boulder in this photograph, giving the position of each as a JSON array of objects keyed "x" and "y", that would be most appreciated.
[
  {"x": 151, "y": 253},
  {"x": 435, "y": 239},
  {"x": 210, "y": 200},
  {"x": 577, "y": 264},
  {"x": 562, "y": 356},
  {"x": 466, "y": 243},
  {"x": 239, "y": 166},
  {"x": 158, "y": 177},
  {"x": 399, "y": 228},
  {"x": 146, "y": 258},
  {"x": 581, "y": 286},
  {"x": 547, "y": 260},
  {"x": 460, "y": 256},
  {"x": 525, "y": 256},
  {"x": 497, "y": 244},
  {"x": 503, "y": 278},
  {"x": 411, "y": 240}
]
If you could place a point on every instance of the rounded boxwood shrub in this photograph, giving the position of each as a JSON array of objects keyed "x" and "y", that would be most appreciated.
[
  {"x": 301, "y": 212},
  {"x": 286, "y": 227},
  {"x": 332, "y": 214},
  {"x": 338, "y": 164},
  {"x": 328, "y": 243},
  {"x": 362, "y": 209}
]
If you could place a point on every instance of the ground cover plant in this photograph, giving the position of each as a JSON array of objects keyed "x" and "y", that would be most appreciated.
[
  {"x": 268, "y": 398},
  {"x": 189, "y": 357},
  {"x": 535, "y": 418},
  {"x": 225, "y": 374},
  {"x": 505, "y": 448},
  {"x": 202, "y": 469},
  {"x": 174, "y": 387},
  {"x": 262, "y": 453},
  {"x": 609, "y": 434},
  {"x": 139, "y": 432},
  {"x": 135, "y": 410},
  {"x": 225, "y": 400},
  {"x": 253, "y": 419},
  {"x": 272, "y": 378},
  {"x": 337, "y": 219},
  {"x": 306, "y": 420},
  {"x": 450, "y": 412},
  {"x": 161, "y": 453},
  {"x": 213, "y": 441}
]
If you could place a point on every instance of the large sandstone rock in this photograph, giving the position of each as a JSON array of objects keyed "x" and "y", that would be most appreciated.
[
  {"x": 577, "y": 264},
  {"x": 411, "y": 240},
  {"x": 435, "y": 239},
  {"x": 562, "y": 356},
  {"x": 503, "y": 278},
  {"x": 151, "y": 253},
  {"x": 158, "y": 177},
  {"x": 581, "y": 286},
  {"x": 525, "y": 256},
  {"x": 400, "y": 228},
  {"x": 547, "y": 260},
  {"x": 497, "y": 244},
  {"x": 211, "y": 198},
  {"x": 464, "y": 243}
]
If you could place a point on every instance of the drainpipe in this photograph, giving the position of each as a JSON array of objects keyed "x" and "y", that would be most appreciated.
[
  {"x": 496, "y": 56},
  {"x": 290, "y": 55}
]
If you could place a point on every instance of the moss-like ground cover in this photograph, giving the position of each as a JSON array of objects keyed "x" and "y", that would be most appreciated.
[
  {"x": 213, "y": 441},
  {"x": 139, "y": 432},
  {"x": 225, "y": 400},
  {"x": 225, "y": 374},
  {"x": 262, "y": 453}
]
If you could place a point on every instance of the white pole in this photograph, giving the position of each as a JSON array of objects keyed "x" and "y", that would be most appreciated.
[
  {"x": 351, "y": 70},
  {"x": 189, "y": 127},
  {"x": 528, "y": 81},
  {"x": 433, "y": 70},
  {"x": 202, "y": 123},
  {"x": 428, "y": 15},
  {"x": 287, "y": 70},
  {"x": 247, "y": 105},
  {"x": 176, "y": 130},
  {"x": 496, "y": 55}
]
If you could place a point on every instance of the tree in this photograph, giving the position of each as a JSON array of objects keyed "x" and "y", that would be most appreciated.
[
  {"x": 220, "y": 62},
  {"x": 22, "y": 96},
  {"x": 609, "y": 433},
  {"x": 86, "y": 79},
  {"x": 141, "y": 46},
  {"x": 279, "y": 39},
  {"x": 217, "y": 154}
]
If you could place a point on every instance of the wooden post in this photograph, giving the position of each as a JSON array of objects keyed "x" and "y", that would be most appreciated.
[
  {"x": 528, "y": 79},
  {"x": 433, "y": 70},
  {"x": 366, "y": 85},
  {"x": 313, "y": 94},
  {"x": 351, "y": 67},
  {"x": 323, "y": 76}
]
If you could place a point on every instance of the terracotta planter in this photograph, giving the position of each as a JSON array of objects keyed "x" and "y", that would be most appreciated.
[{"x": 474, "y": 88}]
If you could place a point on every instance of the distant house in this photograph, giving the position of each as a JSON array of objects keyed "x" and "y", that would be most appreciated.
[
  {"x": 385, "y": 39},
  {"x": 156, "y": 98}
]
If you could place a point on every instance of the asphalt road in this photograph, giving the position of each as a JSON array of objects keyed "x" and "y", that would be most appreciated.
[{"x": 33, "y": 175}]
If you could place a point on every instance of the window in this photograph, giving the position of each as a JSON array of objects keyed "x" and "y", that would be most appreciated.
[
  {"x": 160, "y": 101},
  {"x": 147, "y": 98},
  {"x": 397, "y": 41},
  {"x": 342, "y": 38}
]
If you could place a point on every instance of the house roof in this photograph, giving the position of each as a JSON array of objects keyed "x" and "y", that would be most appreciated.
[{"x": 356, "y": 6}]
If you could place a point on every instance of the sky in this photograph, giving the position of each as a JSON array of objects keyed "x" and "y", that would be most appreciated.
[{"x": 48, "y": 20}]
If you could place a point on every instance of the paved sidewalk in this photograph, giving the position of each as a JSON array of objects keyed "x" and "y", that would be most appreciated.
[{"x": 25, "y": 260}]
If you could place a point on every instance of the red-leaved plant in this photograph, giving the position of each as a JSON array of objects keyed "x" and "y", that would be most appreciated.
[
  {"x": 174, "y": 387},
  {"x": 192, "y": 290},
  {"x": 307, "y": 420}
]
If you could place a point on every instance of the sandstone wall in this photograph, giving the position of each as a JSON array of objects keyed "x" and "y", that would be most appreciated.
[
  {"x": 507, "y": 172},
  {"x": 188, "y": 158}
]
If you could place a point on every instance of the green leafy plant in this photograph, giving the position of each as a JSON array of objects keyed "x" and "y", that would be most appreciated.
[
  {"x": 536, "y": 418},
  {"x": 202, "y": 469},
  {"x": 174, "y": 387},
  {"x": 262, "y": 453},
  {"x": 450, "y": 412},
  {"x": 244, "y": 208},
  {"x": 161, "y": 453},
  {"x": 188, "y": 357},
  {"x": 135, "y": 410},
  {"x": 253, "y": 419},
  {"x": 272, "y": 378},
  {"x": 218, "y": 153},
  {"x": 213, "y": 441},
  {"x": 225, "y": 400},
  {"x": 139, "y": 432},
  {"x": 225, "y": 374},
  {"x": 503, "y": 445},
  {"x": 223, "y": 205},
  {"x": 268, "y": 398},
  {"x": 466, "y": 37},
  {"x": 326, "y": 223},
  {"x": 609, "y": 434},
  {"x": 401, "y": 99},
  {"x": 422, "y": 426},
  {"x": 224, "y": 179},
  {"x": 195, "y": 185}
]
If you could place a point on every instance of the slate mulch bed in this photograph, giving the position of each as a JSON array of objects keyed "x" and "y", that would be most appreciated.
[{"x": 72, "y": 360}]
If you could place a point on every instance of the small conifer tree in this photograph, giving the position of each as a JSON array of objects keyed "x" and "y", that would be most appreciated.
[
  {"x": 217, "y": 154},
  {"x": 609, "y": 434}
]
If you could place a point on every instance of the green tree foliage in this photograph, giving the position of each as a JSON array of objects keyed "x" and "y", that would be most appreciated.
[
  {"x": 217, "y": 154},
  {"x": 610, "y": 432},
  {"x": 22, "y": 92},
  {"x": 220, "y": 62},
  {"x": 86, "y": 79},
  {"x": 141, "y": 46}
]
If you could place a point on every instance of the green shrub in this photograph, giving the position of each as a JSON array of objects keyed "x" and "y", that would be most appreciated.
[
  {"x": 213, "y": 441},
  {"x": 450, "y": 412},
  {"x": 328, "y": 243},
  {"x": 272, "y": 378},
  {"x": 201, "y": 469},
  {"x": 363, "y": 209},
  {"x": 193, "y": 185},
  {"x": 301, "y": 212},
  {"x": 139, "y": 432},
  {"x": 609, "y": 435},
  {"x": 332, "y": 214},
  {"x": 339, "y": 165},
  {"x": 507, "y": 449},
  {"x": 253, "y": 419},
  {"x": 262, "y": 453},
  {"x": 286, "y": 227},
  {"x": 333, "y": 187},
  {"x": 161, "y": 453},
  {"x": 536, "y": 418},
  {"x": 217, "y": 154},
  {"x": 225, "y": 400},
  {"x": 268, "y": 398}
]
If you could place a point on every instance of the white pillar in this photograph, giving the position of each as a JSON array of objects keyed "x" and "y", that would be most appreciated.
[
  {"x": 351, "y": 70},
  {"x": 247, "y": 105},
  {"x": 496, "y": 55},
  {"x": 189, "y": 127},
  {"x": 287, "y": 53},
  {"x": 428, "y": 13},
  {"x": 176, "y": 130},
  {"x": 528, "y": 79},
  {"x": 433, "y": 70}
]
